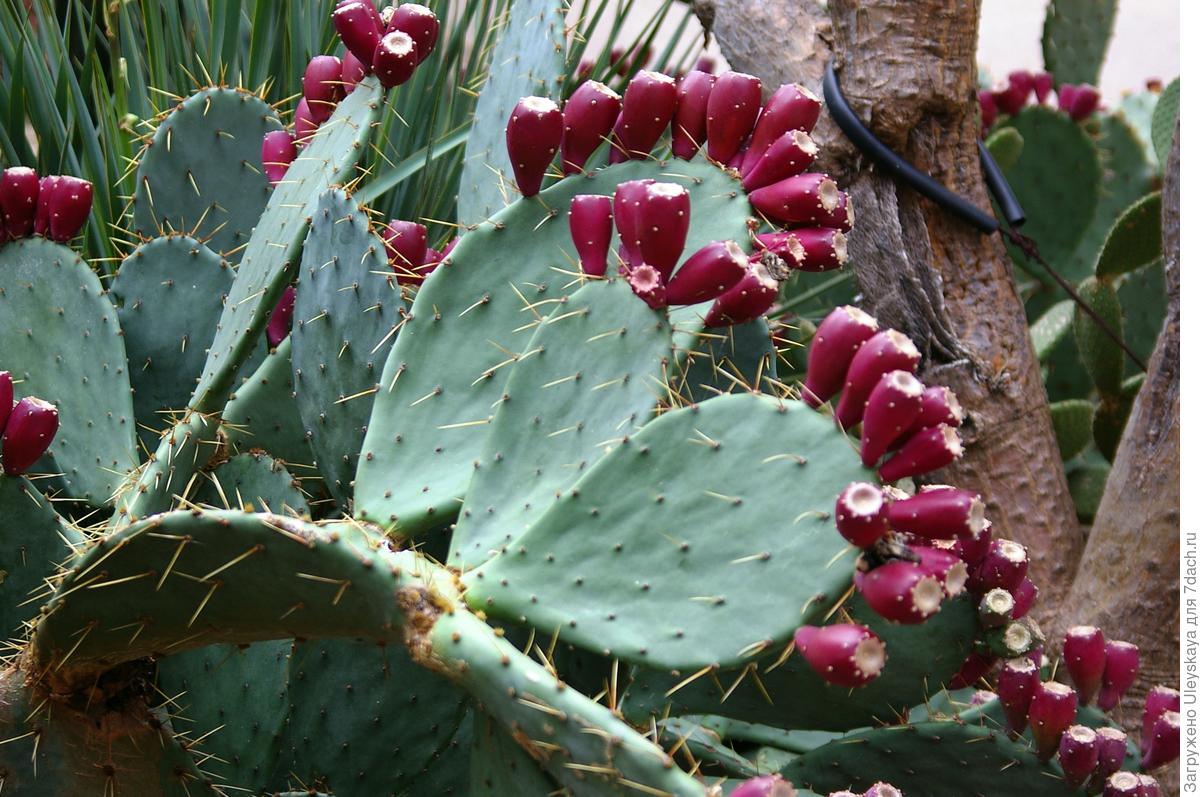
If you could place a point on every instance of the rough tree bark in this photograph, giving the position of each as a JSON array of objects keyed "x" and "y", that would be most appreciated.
[{"x": 907, "y": 67}]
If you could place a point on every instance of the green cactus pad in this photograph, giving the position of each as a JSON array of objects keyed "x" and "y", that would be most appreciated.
[
  {"x": 1109, "y": 422},
  {"x": 1135, "y": 239},
  {"x": 694, "y": 743},
  {"x": 269, "y": 259},
  {"x": 1143, "y": 296},
  {"x": 256, "y": 481},
  {"x": 695, "y": 491},
  {"x": 184, "y": 450},
  {"x": 202, "y": 172},
  {"x": 500, "y": 767},
  {"x": 1072, "y": 421},
  {"x": 1052, "y": 328},
  {"x": 1101, "y": 356},
  {"x": 347, "y": 312},
  {"x": 1005, "y": 145},
  {"x": 437, "y": 394},
  {"x": 1086, "y": 482},
  {"x": 726, "y": 360},
  {"x": 1136, "y": 109},
  {"x": 593, "y": 373},
  {"x": 528, "y": 59},
  {"x": 62, "y": 343},
  {"x": 169, "y": 293},
  {"x": 262, "y": 413},
  {"x": 33, "y": 542},
  {"x": 1162, "y": 125},
  {"x": 929, "y": 759},
  {"x": 1075, "y": 39}
]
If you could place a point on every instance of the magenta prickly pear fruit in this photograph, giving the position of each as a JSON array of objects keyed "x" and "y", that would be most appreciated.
[
  {"x": 41, "y": 219},
  {"x": 30, "y": 429},
  {"x": 1043, "y": 84},
  {"x": 945, "y": 566},
  {"x": 661, "y": 219},
  {"x": 928, "y": 450},
  {"x": 883, "y": 790},
  {"x": 764, "y": 786},
  {"x": 988, "y": 110},
  {"x": 1014, "y": 97},
  {"x": 861, "y": 514},
  {"x": 1078, "y": 753},
  {"x": 304, "y": 123},
  {"x": 1051, "y": 711},
  {"x": 6, "y": 398},
  {"x": 974, "y": 667},
  {"x": 937, "y": 512},
  {"x": 973, "y": 547},
  {"x": 842, "y": 654},
  {"x": 534, "y": 130},
  {"x": 789, "y": 155},
  {"x": 1024, "y": 597},
  {"x": 1159, "y": 700},
  {"x": 1004, "y": 566},
  {"x": 1082, "y": 103},
  {"x": 421, "y": 25},
  {"x": 791, "y": 107},
  {"x": 278, "y": 152},
  {"x": 647, "y": 283},
  {"x": 360, "y": 26},
  {"x": 649, "y": 105},
  {"x": 19, "y": 189},
  {"x": 591, "y": 221},
  {"x": 396, "y": 59},
  {"x": 1120, "y": 671},
  {"x": 996, "y": 608},
  {"x": 892, "y": 406},
  {"x": 323, "y": 86},
  {"x": 1016, "y": 683},
  {"x": 406, "y": 243},
  {"x": 67, "y": 201},
  {"x": 750, "y": 298},
  {"x": 714, "y": 269},
  {"x": 1122, "y": 784},
  {"x": 938, "y": 405},
  {"x": 689, "y": 130},
  {"x": 809, "y": 198},
  {"x": 1163, "y": 745},
  {"x": 353, "y": 71},
  {"x": 903, "y": 592},
  {"x": 1111, "y": 743},
  {"x": 886, "y": 351},
  {"x": 280, "y": 324},
  {"x": 1148, "y": 786},
  {"x": 833, "y": 347},
  {"x": 1066, "y": 96},
  {"x": 588, "y": 117},
  {"x": 810, "y": 249},
  {"x": 627, "y": 201},
  {"x": 732, "y": 110},
  {"x": 1083, "y": 654}
]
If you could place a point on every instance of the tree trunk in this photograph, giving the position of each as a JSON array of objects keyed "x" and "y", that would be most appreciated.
[{"x": 907, "y": 67}]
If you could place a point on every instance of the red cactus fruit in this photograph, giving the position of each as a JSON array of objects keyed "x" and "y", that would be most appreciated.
[
  {"x": 31, "y": 427},
  {"x": 810, "y": 198},
  {"x": 1003, "y": 567},
  {"x": 750, "y": 298},
  {"x": 1120, "y": 671},
  {"x": 861, "y": 514},
  {"x": 6, "y": 398},
  {"x": 927, "y": 451},
  {"x": 714, "y": 269},
  {"x": 1083, "y": 654},
  {"x": 938, "y": 405},
  {"x": 280, "y": 324},
  {"x": 892, "y": 406},
  {"x": 789, "y": 155},
  {"x": 791, "y": 107},
  {"x": 689, "y": 130},
  {"x": 1013, "y": 98},
  {"x": 323, "y": 86},
  {"x": 833, "y": 347},
  {"x": 945, "y": 566},
  {"x": 937, "y": 512},
  {"x": 883, "y": 790},
  {"x": 973, "y": 547},
  {"x": 359, "y": 25},
  {"x": 303, "y": 122},
  {"x": 534, "y": 130},
  {"x": 842, "y": 654},
  {"x": 1111, "y": 744},
  {"x": 1159, "y": 700},
  {"x": 649, "y": 106},
  {"x": 1024, "y": 597},
  {"x": 1065, "y": 95},
  {"x": 396, "y": 59},
  {"x": 405, "y": 243},
  {"x": 41, "y": 219},
  {"x": 1148, "y": 786},
  {"x": 988, "y": 110},
  {"x": 626, "y": 203},
  {"x": 1081, "y": 102},
  {"x": 588, "y": 117},
  {"x": 647, "y": 283},
  {"x": 1043, "y": 84},
  {"x": 1163, "y": 746},
  {"x": 886, "y": 351},
  {"x": 19, "y": 189},
  {"x": 996, "y": 608},
  {"x": 662, "y": 218},
  {"x": 353, "y": 71},
  {"x": 809, "y": 249},
  {"x": 764, "y": 786},
  {"x": 1051, "y": 711},
  {"x": 278, "y": 152},
  {"x": 974, "y": 667},
  {"x": 732, "y": 110},
  {"x": 67, "y": 201},
  {"x": 1122, "y": 784},
  {"x": 902, "y": 592},
  {"x": 421, "y": 25},
  {"x": 1016, "y": 683},
  {"x": 591, "y": 221},
  {"x": 1078, "y": 753}
]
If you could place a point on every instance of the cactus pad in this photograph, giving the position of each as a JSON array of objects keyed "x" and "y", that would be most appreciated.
[
  {"x": 253, "y": 481},
  {"x": 1052, "y": 328},
  {"x": 726, "y": 360},
  {"x": 1101, "y": 356},
  {"x": 262, "y": 413},
  {"x": 1135, "y": 239},
  {"x": 1162, "y": 125},
  {"x": 1072, "y": 425},
  {"x": 33, "y": 542},
  {"x": 1005, "y": 145},
  {"x": 500, "y": 767},
  {"x": 1075, "y": 39}
]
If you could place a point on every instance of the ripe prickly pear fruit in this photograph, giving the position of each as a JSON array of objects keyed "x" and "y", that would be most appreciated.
[
  {"x": 732, "y": 109},
  {"x": 323, "y": 86},
  {"x": 406, "y": 243},
  {"x": 67, "y": 201},
  {"x": 304, "y": 123},
  {"x": 996, "y": 608},
  {"x": 1079, "y": 102},
  {"x": 359, "y": 25},
  {"x": 278, "y": 152},
  {"x": 1015, "y": 684},
  {"x": 988, "y": 109},
  {"x": 1148, "y": 786},
  {"x": 1111, "y": 744},
  {"x": 588, "y": 117},
  {"x": 833, "y": 347},
  {"x": 41, "y": 219},
  {"x": 1120, "y": 671},
  {"x": 945, "y": 566},
  {"x": 764, "y": 786},
  {"x": 809, "y": 249},
  {"x": 927, "y": 451},
  {"x": 1163, "y": 745},
  {"x": 649, "y": 106},
  {"x": 1083, "y": 654},
  {"x": 714, "y": 269},
  {"x": 1043, "y": 84},
  {"x": 31, "y": 427},
  {"x": 883, "y": 790},
  {"x": 892, "y": 406},
  {"x": 842, "y": 654},
  {"x": 534, "y": 131},
  {"x": 1024, "y": 597},
  {"x": 903, "y": 592},
  {"x": 938, "y": 512},
  {"x": 974, "y": 667},
  {"x": 661, "y": 218},
  {"x": 861, "y": 514},
  {"x": 421, "y": 25},
  {"x": 1122, "y": 784},
  {"x": 938, "y": 405},
  {"x": 627, "y": 200},
  {"x": 886, "y": 351},
  {"x": 647, "y": 283},
  {"x": 1159, "y": 700},
  {"x": 689, "y": 130},
  {"x": 809, "y": 199},
  {"x": 19, "y": 189},
  {"x": 353, "y": 71},
  {"x": 789, "y": 155},
  {"x": 280, "y": 324},
  {"x": 1004, "y": 567},
  {"x": 791, "y": 107},
  {"x": 6, "y": 398},
  {"x": 1014, "y": 97},
  {"x": 973, "y": 547},
  {"x": 1078, "y": 753},
  {"x": 750, "y": 298},
  {"x": 396, "y": 60},
  {"x": 1051, "y": 711},
  {"x": 591, "y": 221}
]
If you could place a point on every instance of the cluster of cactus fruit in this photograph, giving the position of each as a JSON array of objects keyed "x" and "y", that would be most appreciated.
[{"x": 585, "y": 451}]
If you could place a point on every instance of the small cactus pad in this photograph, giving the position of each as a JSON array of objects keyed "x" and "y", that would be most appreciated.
[
  {"x": 726, "y": 360},
  {"x": 252, "y": 481},
  {"x": 1051, "y": 328},
  {"x": 437, "y": 396},
  {"x": 1075, "y": 39},
  {"x": 183, "y": 451},
  {"x": 347, "y": 312},
  {"x": 1006, "y": 144},
  {"x": 33, "y": 542},
  {"x": 500, "y": 767},
  {"x": 528, "y": 60},
  {"x": 592, "y": 374},
  {"x": 1162, "y": 125},
  {"x": 1135, "y": 239},
  {"x": 1143, "y": 296},
  {"x": 1072, "y": 425},
  {"x": 262, "y": 413},
  {"x": 62, "y": 343},
  {"x": 202, "y": 174},
  {"x": 1100, "y": 354},
  {"x": 695, "y": 491}
]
